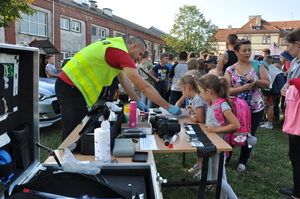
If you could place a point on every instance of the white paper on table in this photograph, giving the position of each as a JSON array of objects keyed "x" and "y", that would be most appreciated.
[
  {"x": 148, "y": 143},
  {"x": 185, "y": 112}
]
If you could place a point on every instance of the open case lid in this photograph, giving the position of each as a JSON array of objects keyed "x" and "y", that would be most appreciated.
[{"x": 19, "y": 114}]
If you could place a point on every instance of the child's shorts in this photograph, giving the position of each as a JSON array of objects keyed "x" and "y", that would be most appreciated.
[{"x": 269, "y": 100}]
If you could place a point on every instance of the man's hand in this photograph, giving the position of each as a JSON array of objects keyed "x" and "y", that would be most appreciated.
[
  {"x": 142, "y": 106},
  {"x": 174, "y": 110}
]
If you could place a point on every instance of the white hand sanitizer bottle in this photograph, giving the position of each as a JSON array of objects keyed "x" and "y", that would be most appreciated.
[{"x": 102, "y": 142}]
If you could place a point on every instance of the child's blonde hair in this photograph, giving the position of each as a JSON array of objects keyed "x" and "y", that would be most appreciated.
[
  {"x": 190, "y": 78},
  {"x": 217, "y": 84}
]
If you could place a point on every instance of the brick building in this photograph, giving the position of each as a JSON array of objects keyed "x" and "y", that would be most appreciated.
[
  {"x": 260, "y": 32},
  {"x": 63, "y": 27}
]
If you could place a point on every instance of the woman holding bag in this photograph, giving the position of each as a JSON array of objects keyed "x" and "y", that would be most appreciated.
[
  {"x": 291, "y": 123},
  {"x": 245, "y": 82}
]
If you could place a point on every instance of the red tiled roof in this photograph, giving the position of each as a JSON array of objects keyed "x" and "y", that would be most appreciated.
[
  {"x": 221, "y": 34},
  {"x": 285, "y": 24},
  {"x": 264, "y": 26}
]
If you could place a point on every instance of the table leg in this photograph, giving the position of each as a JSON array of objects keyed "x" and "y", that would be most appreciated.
[
  {"x": 203, "y": 178},
  {"x": 220, "y": 174}
]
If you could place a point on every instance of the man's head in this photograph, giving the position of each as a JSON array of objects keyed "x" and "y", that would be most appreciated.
[
  {"x": 171, "y": 57},
  {"x": 231, "y": 39},
  {"x": 136, "y": 47},
  {"x": 183, "y": 55},
  {"x": 146, "y": 55},
  {"x": 265, "y": 52},
  {"x": 164, "y": 58},
  {"x": 268, "y": 59},
  {"x": 211, "y": 63}
]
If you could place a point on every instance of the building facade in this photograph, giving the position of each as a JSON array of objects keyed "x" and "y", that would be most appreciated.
[
  {"x": 70, "y": 25},
  {"x": 260, "y": 32}
]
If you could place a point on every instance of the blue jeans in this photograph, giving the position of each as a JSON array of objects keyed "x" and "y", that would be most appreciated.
[
  {"x": 145, "y": 100},
  {"x": 161, "y": 89},
  {"x": 175, "y": 96}
]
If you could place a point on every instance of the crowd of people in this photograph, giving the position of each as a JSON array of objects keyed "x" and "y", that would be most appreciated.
[{"x": 193, "y": 82}]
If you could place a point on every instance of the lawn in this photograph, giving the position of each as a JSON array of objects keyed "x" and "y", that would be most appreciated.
[{"x": 268, "y": 168}]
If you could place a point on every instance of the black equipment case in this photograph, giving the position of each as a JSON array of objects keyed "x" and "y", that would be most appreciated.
[{"x": 24, "y": 176}]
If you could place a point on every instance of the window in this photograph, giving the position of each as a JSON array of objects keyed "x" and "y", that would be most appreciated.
[
  {"x": 102, "y": 33},
  {"x": 35, "y": 24},
  {"x": 75, "y": 26},
  {"x": 266, "y": 39},
  {"x": 247, "y": 38},
  {"x": 283, "y": 42},
  {"x": 255, "y": 27},
  {"x": 63, "y": 55},
  {"x": 216, "y": 47},
  {"x": 121, "y": 35},
  {"x": 94, "y": 30},
  {"x": 64, "y": 24}
]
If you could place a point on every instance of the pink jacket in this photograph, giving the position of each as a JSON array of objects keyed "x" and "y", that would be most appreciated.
[{"x": 292, "y": 111}]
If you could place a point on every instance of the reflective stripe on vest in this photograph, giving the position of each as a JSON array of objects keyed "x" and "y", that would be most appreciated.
[{"x": 90, "y": 72}]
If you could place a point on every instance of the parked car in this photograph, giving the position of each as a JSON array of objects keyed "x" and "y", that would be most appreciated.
[
  {"x": 65, "y": 61},
  {"x": 49, "y": 109}
]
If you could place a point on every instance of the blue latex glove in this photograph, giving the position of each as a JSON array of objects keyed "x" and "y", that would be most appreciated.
[
  {"x": 174, "y": 110},
  {"x": 142, "y": 106}
]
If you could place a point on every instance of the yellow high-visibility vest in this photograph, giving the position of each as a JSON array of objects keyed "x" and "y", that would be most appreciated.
[{"x": 90, "y": 72}]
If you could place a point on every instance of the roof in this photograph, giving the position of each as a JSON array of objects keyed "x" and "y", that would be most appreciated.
[
  {"x": 46, "y": 45},
  {"x": 221, "y": 34},
  {"x": 99, "y": 12},
  {"x": 264, "y": 26},
  {"x": 282, "y": 25}
]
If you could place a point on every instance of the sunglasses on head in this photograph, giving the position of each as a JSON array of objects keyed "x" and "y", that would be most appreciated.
[{"x": 241, "y": 41}]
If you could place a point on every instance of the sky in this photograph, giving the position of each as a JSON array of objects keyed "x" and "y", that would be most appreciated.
[{"x": 161, "y": 13}]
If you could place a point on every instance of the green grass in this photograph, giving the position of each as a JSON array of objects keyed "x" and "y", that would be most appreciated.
[{"x": 268, "y": 168}]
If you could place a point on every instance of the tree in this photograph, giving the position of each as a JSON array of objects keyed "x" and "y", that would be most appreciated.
[
  {"x": 10, "y": 10},
  {"x": 191, "y": 32}
]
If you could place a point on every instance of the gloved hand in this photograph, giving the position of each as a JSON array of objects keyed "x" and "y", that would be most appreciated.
[
  {"x": 174, "y": 110},
  {"x": 142, "y": 106}
]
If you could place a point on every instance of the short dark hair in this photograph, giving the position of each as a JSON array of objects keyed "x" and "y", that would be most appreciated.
[
  {"x": 238, "y": 44},
  {"x": 192, "y": 55},
  {"x": 266, "y": 50},
  {"x": 145, "y": 55},
  {"x": 293, "y": 36},
  {"x": 164, "y": 55},
  {"x": 137, "y": 39},
  {"x": 48, "y": 56},
  {"x": 232, "y": 39},
  {"x": 183, "y": 55},
  {"x": 268, "y": 59},
  {"x": 171, "y": 56}
]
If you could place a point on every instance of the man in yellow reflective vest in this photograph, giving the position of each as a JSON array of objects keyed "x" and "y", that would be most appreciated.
[{"x": 81, "y": 81}]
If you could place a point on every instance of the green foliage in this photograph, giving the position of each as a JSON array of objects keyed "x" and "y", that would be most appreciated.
[
  {"x": 10, "y": 10},
  {"x": 191, "y": 32}
]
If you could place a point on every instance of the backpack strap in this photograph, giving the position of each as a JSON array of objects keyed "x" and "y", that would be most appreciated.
[
  {"x": 255, "y": 65},
  {"x": 218, "y": 111}
]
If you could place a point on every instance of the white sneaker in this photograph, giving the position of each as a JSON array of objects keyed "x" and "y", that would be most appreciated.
[
  {"x": 264, "y": 125},
  {"x": 269, "y": 126}
]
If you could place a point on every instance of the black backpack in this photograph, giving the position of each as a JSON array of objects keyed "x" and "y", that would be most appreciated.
[{"x": 278, "y": 84}]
